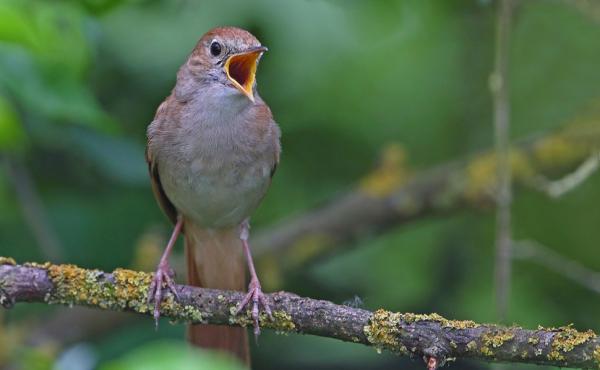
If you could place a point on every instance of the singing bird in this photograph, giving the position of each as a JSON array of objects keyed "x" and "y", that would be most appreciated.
[{"x": 213, "y": 148}]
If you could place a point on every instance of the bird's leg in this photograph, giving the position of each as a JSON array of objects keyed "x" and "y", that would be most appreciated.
[
  {"x": 255, "y": 293},
  {"x": 164, "y": 273}
]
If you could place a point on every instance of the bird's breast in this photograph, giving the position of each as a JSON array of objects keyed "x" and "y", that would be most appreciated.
[{"x": 217, "y": 174}]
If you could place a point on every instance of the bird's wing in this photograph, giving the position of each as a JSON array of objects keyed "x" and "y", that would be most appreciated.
[
  {"x": 277, "y": 151},
  {"x": 263, "y": 114},
  {"x": 159, "y": 193}
]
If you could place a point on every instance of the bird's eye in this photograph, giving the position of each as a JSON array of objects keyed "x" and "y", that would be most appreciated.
[{"x": 215, "y": 48}]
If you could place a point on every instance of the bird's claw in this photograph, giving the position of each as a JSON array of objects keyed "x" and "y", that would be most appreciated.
[
  {"x": 164, "y": 274},
  {"x": 257, "y": 297}
]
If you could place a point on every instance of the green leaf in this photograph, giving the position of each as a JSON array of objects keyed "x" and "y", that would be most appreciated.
[
  {"x": 60, "y": 29},
  {"x": 173, "y": 356},
  {"x": 49, "y": 30},
  {"x": 15, "y": 26}
]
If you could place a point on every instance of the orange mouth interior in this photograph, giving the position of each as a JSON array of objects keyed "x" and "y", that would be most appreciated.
[{"x": 241, "y": 71}]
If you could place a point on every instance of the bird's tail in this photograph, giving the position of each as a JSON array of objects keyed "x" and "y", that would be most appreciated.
[{"x": 215, "y": 260}]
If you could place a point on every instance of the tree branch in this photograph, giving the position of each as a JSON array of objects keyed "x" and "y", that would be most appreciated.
[
  {"x": 435, "y": 338},
  {"x": 392, "y": 198}
]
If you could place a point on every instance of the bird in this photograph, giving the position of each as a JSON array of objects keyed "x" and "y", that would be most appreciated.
[{"x": 213, "y": 148}]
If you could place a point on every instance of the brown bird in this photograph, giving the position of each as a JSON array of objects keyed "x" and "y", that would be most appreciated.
[{"x": 213, "y": 147}]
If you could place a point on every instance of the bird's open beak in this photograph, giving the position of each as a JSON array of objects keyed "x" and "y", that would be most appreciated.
[{"x": 241, "y": 69}]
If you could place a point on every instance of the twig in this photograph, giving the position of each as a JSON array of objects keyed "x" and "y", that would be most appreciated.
[
  {"x": 558, "y": 188},
  {"x": 410, "y": 334},
  {"x": 535, "y": 252},
  {"x": 500, "y": 92}
]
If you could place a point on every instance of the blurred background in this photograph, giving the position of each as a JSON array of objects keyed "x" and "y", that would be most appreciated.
[{"x": 370, "y": 96}]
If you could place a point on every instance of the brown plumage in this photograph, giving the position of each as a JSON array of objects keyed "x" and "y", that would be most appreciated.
[{"x": 213, "y": 147}]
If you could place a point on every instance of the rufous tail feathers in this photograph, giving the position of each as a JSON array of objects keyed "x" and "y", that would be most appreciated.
[{"x": 215, "y": 260}]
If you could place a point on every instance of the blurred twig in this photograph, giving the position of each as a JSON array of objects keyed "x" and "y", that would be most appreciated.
[
  {"x": 537, "y": 253},
  {"x": 34, "y": 211},
  {"x": 458, "y": 185},
  {"x": 499, "y": 86},
  {"x": 558, "y": 188},
  {"x": 431, "y": 336}
]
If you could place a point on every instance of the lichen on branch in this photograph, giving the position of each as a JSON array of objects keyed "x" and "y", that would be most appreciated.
[{"x": 430, "y": 336}]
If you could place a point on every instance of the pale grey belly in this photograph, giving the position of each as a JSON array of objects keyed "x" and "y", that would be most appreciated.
[{"x": 219, "y": 195}]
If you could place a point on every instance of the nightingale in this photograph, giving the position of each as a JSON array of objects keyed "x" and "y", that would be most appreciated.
[{"x": 213, "y": 148}]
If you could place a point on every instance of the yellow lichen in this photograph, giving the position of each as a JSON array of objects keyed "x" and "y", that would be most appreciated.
[
  {"x": 533, "y": 340},
  {"x": 44, "y": 265},
  {"x": 282, "y": 321},
  {"x": 389, "y": 175},
  {"x": 383, "y": 331},
  {"x": 410, "y": 317},
  {"x": 557, "y": 150},
  {"x": 241, "y": 320},
  {"x": 493, "y": 340},
  {"x": 486, "y": 351},
  {"x": 192, "y": 313},
  {"x": 7, "y": 261},
  {"x": 384, "y": 327},
  {"x": 472, "y": 346},
  {"x": 459, "y": 324},
  {"x": 481, "y": 173},
  {"x": 498, "y": 338},
  {"x": 454, "y": 324},
  {"x": 597, "y": 356},
  {"x": 566, "y": 339},
  {"x": 554, "y": 355},
  {"x": 126, "y": 290}
]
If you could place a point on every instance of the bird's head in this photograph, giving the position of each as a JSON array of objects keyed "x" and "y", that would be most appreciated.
[{"x": 227, "y": 56}]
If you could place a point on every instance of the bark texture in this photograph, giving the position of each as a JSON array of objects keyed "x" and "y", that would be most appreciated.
[{"x": 432, "y": 336}]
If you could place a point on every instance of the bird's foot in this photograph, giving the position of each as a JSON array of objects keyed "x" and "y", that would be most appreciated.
[
  {"x": 257, "y": 297},
  {"x": 164, "y": 274}
]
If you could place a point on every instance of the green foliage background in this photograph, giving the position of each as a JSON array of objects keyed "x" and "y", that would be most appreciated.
[{"x": 80, "y": 81}]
